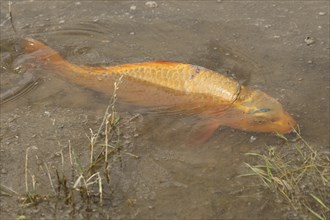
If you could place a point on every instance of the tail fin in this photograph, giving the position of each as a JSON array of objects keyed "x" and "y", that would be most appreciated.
[
  {"x": 45, "y": 55},
  {"x": 40, "y": 51},
  {"x": 40, "y": 54}
]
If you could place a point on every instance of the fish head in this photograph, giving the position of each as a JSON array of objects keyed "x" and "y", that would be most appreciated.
[{"x": 258, "y": 112}]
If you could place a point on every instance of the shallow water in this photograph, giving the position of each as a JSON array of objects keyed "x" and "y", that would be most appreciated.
[{"x": 260, "y": 44}]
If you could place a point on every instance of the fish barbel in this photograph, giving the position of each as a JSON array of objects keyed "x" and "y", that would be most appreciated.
[{"x": 224, "y": 100}]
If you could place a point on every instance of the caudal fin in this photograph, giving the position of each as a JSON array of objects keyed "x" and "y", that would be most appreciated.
[
  {"x": 40, "y": 51},
  {"x": 43, "y": 55}
]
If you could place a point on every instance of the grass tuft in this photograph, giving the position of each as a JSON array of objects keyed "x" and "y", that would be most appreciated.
[
  {"x": 81, "y": 182},
  {"x": 298, "y": 173}
]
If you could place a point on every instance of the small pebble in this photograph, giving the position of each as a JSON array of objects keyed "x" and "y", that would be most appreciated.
[
  {"x": 132, "y": 33},
  {"x": 133, "y": 7},
  {"x": 309, "y": 61},
  {"x": 321, "y": 13},
  {"x": 252, "y": 139},
  {"x": 309, "y": 40},
  {"x": 219, "y": 1},
  {"x": 151, "y": 4},
  {"x": 47, "y": 113},
  {"x": 4, "y": 171},
  {"x": 276, "y": 36},
  {"x": 21, "y": 217}
]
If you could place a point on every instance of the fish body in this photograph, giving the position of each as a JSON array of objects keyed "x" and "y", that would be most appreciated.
[{"x": 191, "y": 87}]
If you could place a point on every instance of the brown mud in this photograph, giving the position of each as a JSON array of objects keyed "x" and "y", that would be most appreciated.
[{"x": 153, "y": 173}]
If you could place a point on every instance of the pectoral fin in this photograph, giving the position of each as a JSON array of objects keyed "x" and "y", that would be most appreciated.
[{"x": 205, "y": 131}]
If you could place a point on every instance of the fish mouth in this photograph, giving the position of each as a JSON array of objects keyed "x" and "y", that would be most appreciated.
[{"x": 286, "y": 124}]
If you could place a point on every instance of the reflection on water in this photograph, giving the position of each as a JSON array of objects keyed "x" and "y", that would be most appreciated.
[{"x": 171, "y": 179}]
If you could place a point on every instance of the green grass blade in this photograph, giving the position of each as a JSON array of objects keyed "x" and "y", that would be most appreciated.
[
  {"x": 316, "y": 214},
  {"x": 319, "y": 201}
]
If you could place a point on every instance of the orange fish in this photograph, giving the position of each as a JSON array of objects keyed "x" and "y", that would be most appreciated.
[{"x": 186, "y": 87}]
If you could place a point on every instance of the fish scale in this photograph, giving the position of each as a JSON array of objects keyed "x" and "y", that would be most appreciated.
[{"x": 180, "y": 77}]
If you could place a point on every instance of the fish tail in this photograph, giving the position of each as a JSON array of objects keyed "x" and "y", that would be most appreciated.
[{"x": 42, "y": 54}]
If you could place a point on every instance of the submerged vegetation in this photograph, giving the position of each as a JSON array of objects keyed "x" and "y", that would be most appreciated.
[{"x": 297, "y": 173}]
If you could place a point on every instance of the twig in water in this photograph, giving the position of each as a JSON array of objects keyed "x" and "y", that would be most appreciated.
[
  {"x": 26, "y": 167},
  {"x": 11, "y": 16}
]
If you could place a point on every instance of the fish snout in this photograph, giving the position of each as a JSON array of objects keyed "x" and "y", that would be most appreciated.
[{"x": 285, "y": 124}]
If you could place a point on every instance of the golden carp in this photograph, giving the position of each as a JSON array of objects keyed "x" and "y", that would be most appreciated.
[{"x": 188, "y": 87}]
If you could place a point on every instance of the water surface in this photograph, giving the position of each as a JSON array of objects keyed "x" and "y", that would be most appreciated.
[{"x": 261, "y": 44}]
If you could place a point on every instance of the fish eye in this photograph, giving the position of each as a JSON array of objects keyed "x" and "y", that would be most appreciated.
[{"x": 264, "y": 110}]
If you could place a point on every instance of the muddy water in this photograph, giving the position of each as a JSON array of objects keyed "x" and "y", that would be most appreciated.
[{"x": 260, "y": 44}]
